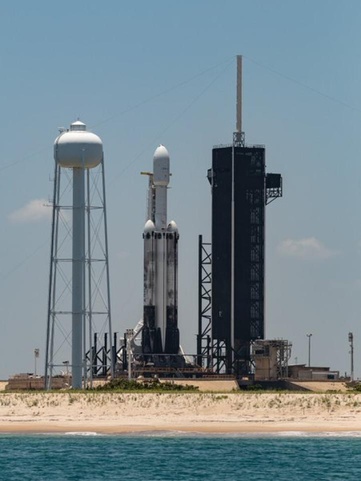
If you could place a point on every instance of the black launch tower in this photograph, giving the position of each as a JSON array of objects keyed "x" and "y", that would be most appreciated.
[{"x": 232, "y": 286}]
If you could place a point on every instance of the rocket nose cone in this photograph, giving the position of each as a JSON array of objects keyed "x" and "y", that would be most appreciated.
[
  {"x": 161, "y": 153},
  {"x": 172, "y": 227},
  {"x": 149, "y": 227}
]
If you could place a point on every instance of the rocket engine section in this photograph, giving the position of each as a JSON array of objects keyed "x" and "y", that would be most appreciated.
[
  {"x": 160, "y": 333},
  {"x": 172, "y": 331}
]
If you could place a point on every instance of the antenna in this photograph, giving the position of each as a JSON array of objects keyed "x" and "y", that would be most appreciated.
[
  {"x": 239, "y": 94},
  {"x": 238, "y": 135}
]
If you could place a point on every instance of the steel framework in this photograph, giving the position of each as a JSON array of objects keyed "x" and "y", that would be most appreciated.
[
  {"x": 211, "y": 354},
  {"x": 231, "y": 286},
  {"x": 242, "y": 190},
  {"x": 102, "y": 356},
  {"x": 204, "y": 337},
  {"x": 96, "y": 317}
]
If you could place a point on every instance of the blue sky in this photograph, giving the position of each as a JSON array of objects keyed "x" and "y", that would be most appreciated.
[{"x": 142, "y": 73}]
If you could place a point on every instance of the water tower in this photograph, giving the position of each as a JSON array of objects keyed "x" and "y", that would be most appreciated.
[{"x": 79, "y": 295}]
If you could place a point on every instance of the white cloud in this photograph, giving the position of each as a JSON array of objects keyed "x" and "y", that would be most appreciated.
[
  {"x": 309, "y": 248},
  {"x": 34, "y": 211}
]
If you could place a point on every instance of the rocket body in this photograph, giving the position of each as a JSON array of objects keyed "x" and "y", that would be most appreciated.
[{"x": 160, "y": 333}]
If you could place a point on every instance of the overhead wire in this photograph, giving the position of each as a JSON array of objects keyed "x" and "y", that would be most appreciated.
[
  {"x": 5, "y": 275},
  {"x": 228, "y": 62},
  {"x": 163, "y": 92},
  {"x": 172, "y": 122},
  {"x": 23, "y": 159},
  {"x": 128, "y": 109},
  {"x": 190, "y": 79},
  {"x": 304, "y": 85},
  {"x": 168, "y": 126}
]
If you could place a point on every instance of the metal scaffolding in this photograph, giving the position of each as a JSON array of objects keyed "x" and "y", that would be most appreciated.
[{"x": 204, "y": 337}]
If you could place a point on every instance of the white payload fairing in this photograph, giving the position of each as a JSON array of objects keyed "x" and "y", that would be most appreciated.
[{"x": 160, "y": 333}]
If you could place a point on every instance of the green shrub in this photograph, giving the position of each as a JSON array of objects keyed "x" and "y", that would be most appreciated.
[{"x": 145, "y": 385}]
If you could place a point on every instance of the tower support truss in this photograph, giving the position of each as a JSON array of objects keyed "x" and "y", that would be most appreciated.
[
  {"x": 204, "y": 337},
  {"x": 94, "y": 312}
]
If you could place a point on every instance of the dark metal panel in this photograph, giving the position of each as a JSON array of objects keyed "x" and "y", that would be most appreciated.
[
  {"x": 221, "y": 242},
  {"x": 250, "y": 189}
]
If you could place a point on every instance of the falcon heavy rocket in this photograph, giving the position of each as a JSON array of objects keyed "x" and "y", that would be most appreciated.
[{"x": 160, "y": 333}]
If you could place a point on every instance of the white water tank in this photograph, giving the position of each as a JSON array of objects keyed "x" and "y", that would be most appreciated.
[{"x": 77, "y": 148}]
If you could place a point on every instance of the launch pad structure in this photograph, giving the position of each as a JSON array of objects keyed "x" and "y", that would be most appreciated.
[
  {"x": 231, "y": 279},
  {"x": 232, "y": 267}
]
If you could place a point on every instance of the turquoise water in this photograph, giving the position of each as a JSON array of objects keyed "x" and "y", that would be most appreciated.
[{"x": 178, "y": 457}]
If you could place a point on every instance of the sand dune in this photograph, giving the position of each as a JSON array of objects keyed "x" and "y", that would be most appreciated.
[{"x": 196, "y": 412}]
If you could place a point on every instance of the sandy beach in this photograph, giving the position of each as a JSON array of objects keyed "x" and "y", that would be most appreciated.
[{"x": 183, "y": 412}]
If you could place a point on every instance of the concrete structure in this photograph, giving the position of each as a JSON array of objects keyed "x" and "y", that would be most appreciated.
[
  {"x": 312, "y": 373},
  {"x": 270, "y": 358}
]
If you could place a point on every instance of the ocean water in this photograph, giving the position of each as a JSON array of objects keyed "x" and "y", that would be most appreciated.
[{"x": 173, "y": 457}]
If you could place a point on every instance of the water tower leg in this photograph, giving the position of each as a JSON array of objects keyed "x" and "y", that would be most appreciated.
[
  {"x": 49, "y": 361},
  {"x": 78, "y": 266}
]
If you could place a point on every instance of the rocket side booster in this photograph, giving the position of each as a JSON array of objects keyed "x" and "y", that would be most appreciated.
[
  {"x": 160, "y": 332},
  {"x": 172, "y": 331}
]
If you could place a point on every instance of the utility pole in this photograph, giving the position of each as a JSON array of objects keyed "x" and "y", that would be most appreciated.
[
  {"x": 350, "y": 340},
  {"x": 36, "y": 355},
  {"x": 309, "y": 349}
]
